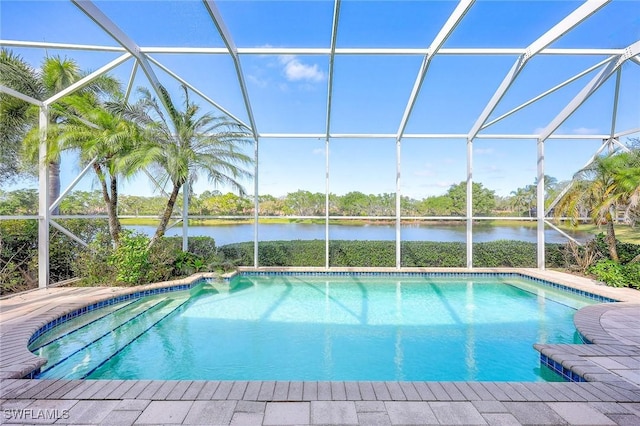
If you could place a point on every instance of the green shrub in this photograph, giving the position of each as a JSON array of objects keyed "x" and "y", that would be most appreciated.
[
  {"x": 433, "y": 254},
  {"x": 204, "y": 247},
  {"x": 92, "y": 265},
  {"x": 19, "y": 251},
  {"x": 504, "y": 253},
  {"x": 382, "y": 253},
  {"x": 631, "y": 274},
  {"x": 609, "y": 272},
  {"x": 626, "y": 251},
  {"x": 131, "y": 258},
  {"x": 18, "y": 255}
]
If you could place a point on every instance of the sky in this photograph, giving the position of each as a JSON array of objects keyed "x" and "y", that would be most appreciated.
[{"x": 288, "y": 93}]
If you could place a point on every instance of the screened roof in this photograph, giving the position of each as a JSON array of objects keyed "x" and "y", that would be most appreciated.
[{"x": 435, "y": 72}]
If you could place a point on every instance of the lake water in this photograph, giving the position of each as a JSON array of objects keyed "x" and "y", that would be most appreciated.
[{"x": 227, "y": 234}]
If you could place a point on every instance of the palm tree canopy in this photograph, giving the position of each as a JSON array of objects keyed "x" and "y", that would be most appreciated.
[{"x": 189, "y": 143}]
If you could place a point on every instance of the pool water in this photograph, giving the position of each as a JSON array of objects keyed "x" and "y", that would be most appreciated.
[{"x": 300, "y": 327}]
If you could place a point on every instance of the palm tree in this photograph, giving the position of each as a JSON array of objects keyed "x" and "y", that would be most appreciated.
[
  {"x": 15, "y": 119},
  {"x": 55, "y": 74},
  {"x": 608, "y": 183},
  {"x": 186, "y": 144},
  {"x": 100, "y": 134}
]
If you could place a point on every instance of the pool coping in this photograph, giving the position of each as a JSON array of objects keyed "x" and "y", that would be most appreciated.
[{"x": 607, "y": 380}]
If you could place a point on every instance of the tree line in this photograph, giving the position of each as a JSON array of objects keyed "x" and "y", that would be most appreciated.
[{"x": 298, "y": 203}]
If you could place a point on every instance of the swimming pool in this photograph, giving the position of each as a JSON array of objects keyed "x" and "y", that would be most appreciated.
[{"x": 321, "y": 327}]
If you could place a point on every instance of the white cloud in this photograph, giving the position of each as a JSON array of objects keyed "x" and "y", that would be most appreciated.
[
  {"x": 585, "y": 131},
  {"x": 318, "y": 151},
  {"x": 295, "y": 70},
  {"x": 257, "y": 80}
]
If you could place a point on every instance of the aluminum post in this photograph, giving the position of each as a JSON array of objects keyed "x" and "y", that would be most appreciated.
[{"x": 43, "y": 202}]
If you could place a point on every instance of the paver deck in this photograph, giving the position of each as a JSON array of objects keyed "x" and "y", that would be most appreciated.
[{"x": 611, "y": 394}]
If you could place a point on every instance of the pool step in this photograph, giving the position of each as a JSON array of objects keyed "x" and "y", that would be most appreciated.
[
  {"x": 96, "y": 352},
  {"x": 77, "y": 324},
  {"x": 68, "y": 344}
]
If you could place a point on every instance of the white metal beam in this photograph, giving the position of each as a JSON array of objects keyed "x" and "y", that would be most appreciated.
[
  {"x": 564, "y": 234},
  {"x": 469, "y": 210},
  {"x": 216, "y": 17},
  {"x": 452, "y": 22},
  {"x": 185, "y": 215},
  {"x": 21, "y": 96},
  {"x": 61, "y": 46},
  {"x": 318, "y": 51},
  {"x": 542, "y": 95},
  {"x": 627, "y": 132},
  {"x": 570, "y": 184},
  {"x": 68, "y": 233},
  {"x": 321, "y": 136},
  {"x": 558, "y": 30},
  {"x": 616, "y": 95},
  {"x": 540, "y": 211},
  {"x": 589, "y": 89},
  {"x": 197, "y": 91},
  {"x": 43, "y": 201},
  {"x": 132, "y": 78},
  {"x": 87, "y": 79},
  {"x": 334, "y": 36},
  {"x": 72, "y": 185},
  {"x": 97, "y": 16}
]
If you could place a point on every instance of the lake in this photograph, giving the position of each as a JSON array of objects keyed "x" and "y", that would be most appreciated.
[{"x": 227, "y": 234}]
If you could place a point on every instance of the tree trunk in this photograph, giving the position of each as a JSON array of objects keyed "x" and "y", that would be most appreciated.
[
  {"x": 112, "y": 210},
  {"x": 166, "y": 216},
  {"x": 110, "y": 203},
  {"x": 611, "y": 239},
  {"x": 54, "y": 184}
]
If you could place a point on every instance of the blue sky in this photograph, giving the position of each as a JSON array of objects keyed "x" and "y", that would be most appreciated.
[{"x": 289, "y": 92}]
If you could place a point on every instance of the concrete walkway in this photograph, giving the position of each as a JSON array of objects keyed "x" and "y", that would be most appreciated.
[{"x": 611, "y": 395}]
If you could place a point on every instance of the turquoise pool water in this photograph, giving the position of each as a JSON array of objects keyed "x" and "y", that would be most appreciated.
[{"x": 300, "y": 327}]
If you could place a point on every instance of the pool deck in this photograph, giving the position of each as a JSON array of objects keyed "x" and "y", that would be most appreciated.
[{"x": 611, "y": 366}]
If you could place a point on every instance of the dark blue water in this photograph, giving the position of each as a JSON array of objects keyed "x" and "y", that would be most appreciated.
[{"x": 227, "y": 234}]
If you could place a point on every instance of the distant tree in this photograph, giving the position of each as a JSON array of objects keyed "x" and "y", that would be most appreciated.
[
  {"x": 304, "y": 203},
  {"x": 483, "y": 199},
  {"x": 19, "y": 202},
  {"x": 354, "y": 203},
  {"x": 441, "y": 205}
]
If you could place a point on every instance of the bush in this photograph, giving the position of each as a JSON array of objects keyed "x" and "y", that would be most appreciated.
[
  {"x": 626, "y": 251},
  {"x": 131, "y": 258},
  {"x": 382, "y": 253},
  {"x": 609, "y": 272},
  {"x": 133, "y": 263},
  {"x": 19, "y": 251},
  {"x": 505, "y": 253},
  {"x": 433, "y": 254},
  {"x": 18, "y": 255}
]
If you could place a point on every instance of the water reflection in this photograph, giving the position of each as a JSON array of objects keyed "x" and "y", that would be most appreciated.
[{"x": 228, "y": 234}]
